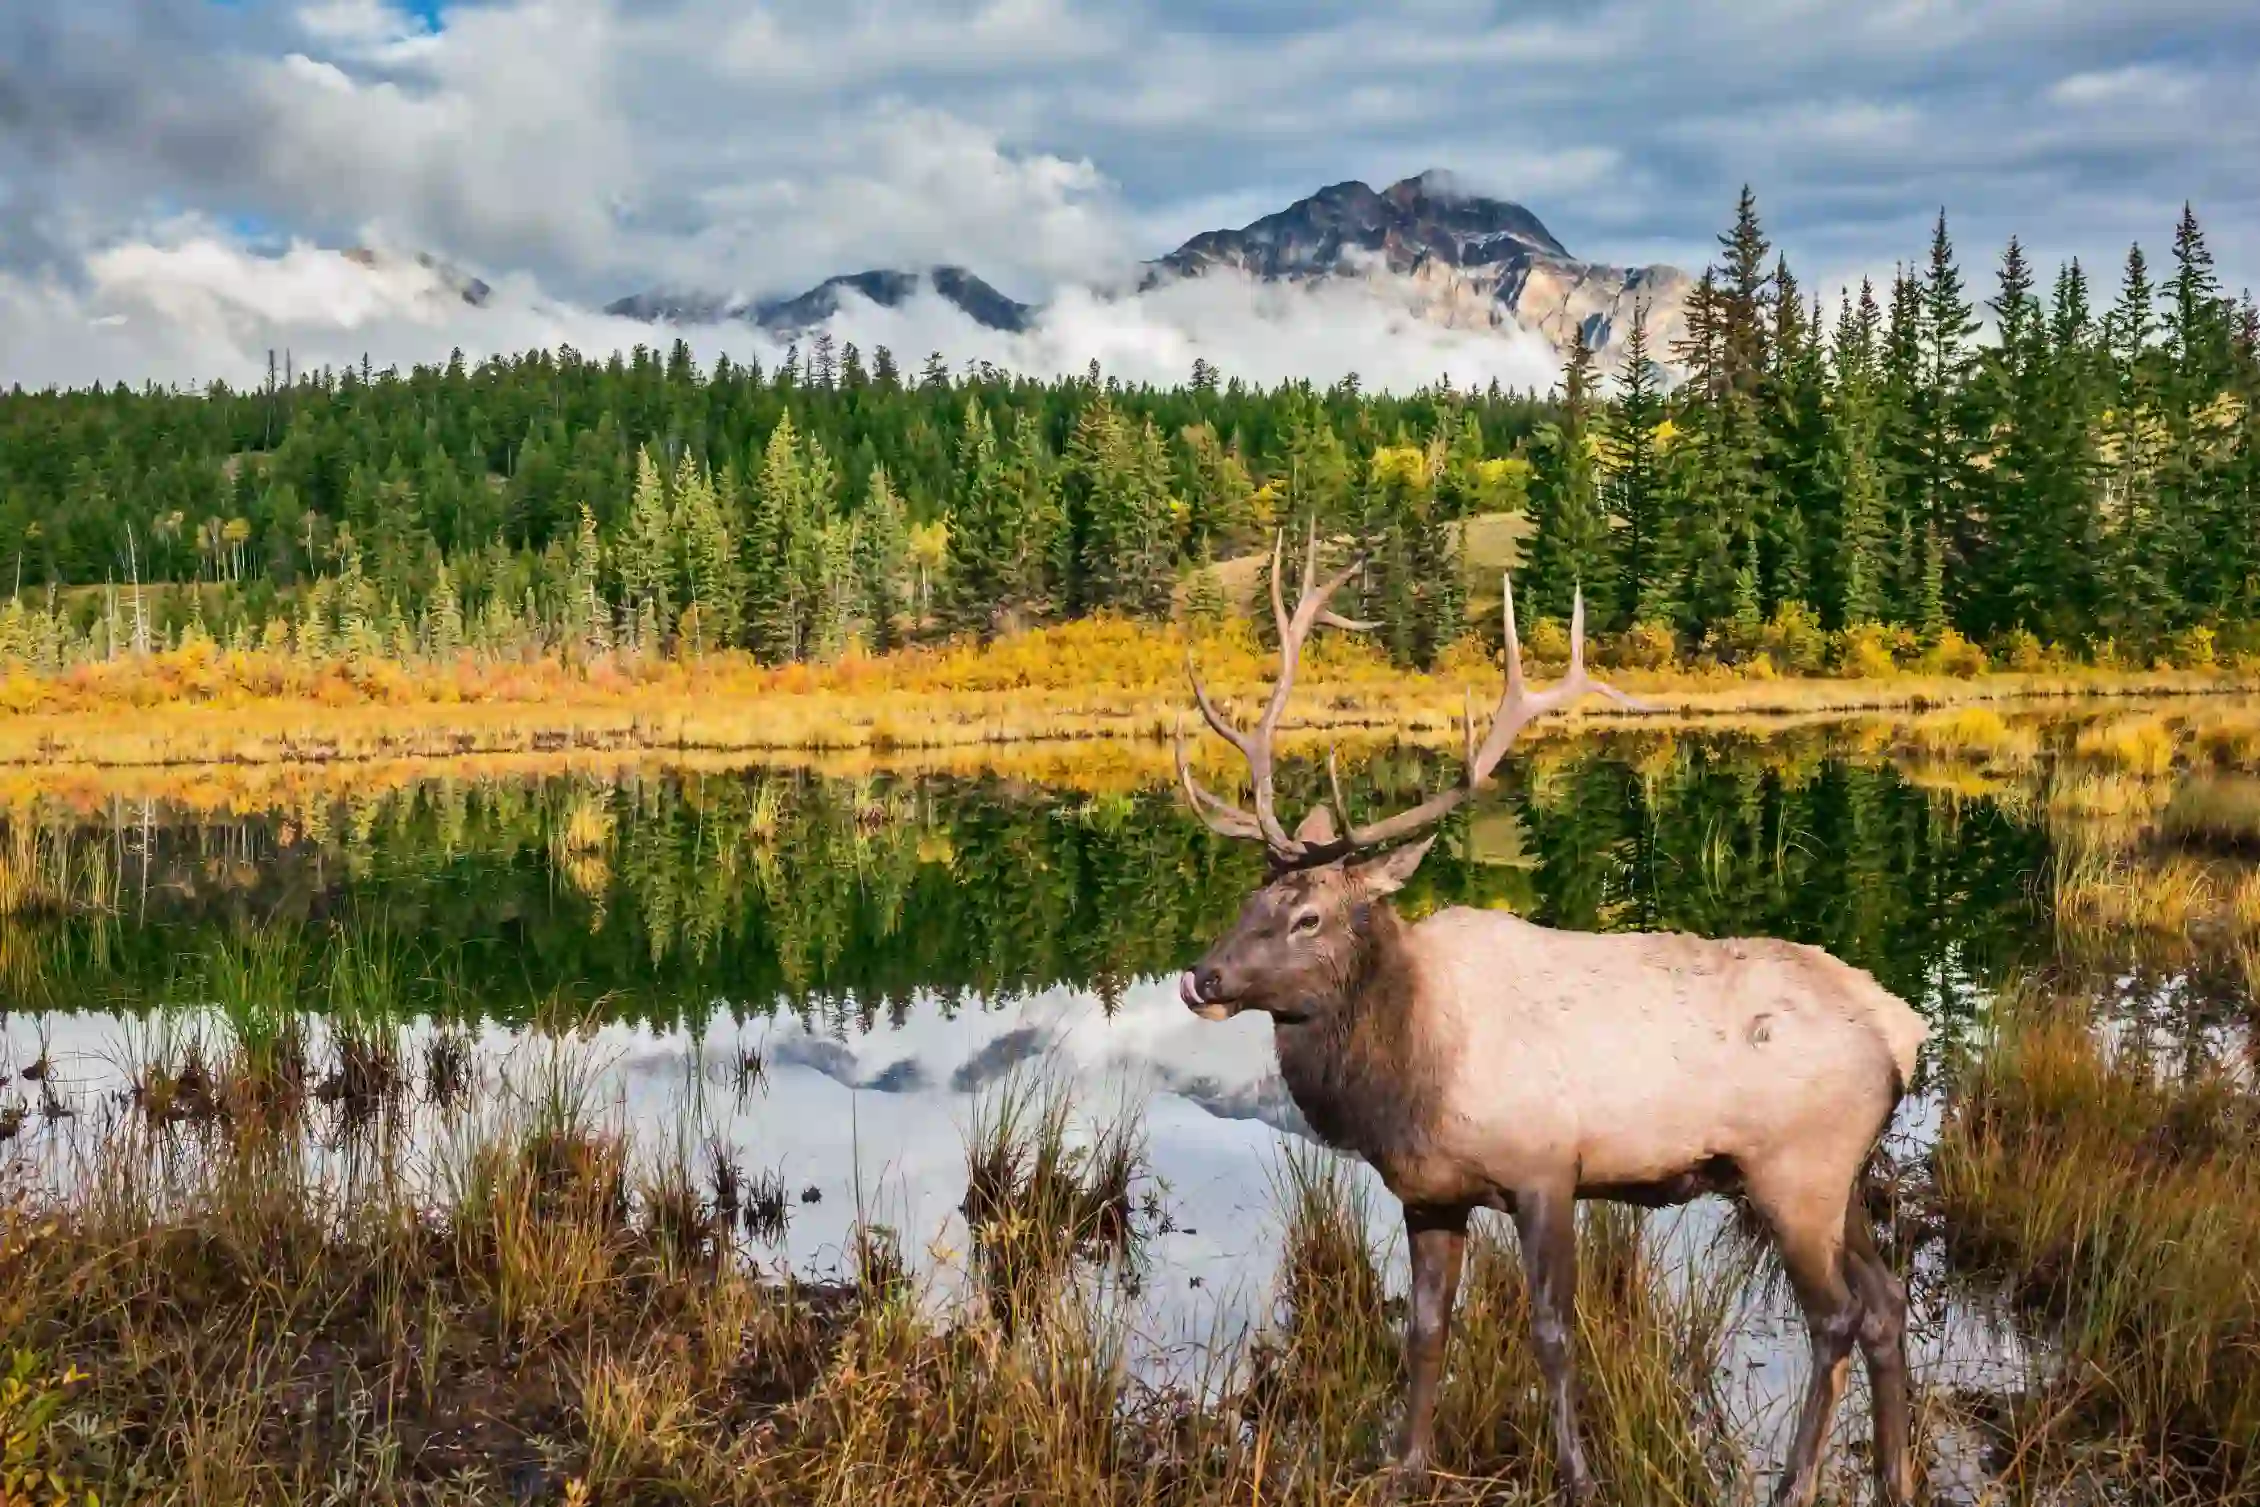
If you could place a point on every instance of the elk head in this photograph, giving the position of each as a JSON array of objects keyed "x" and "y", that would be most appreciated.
[{"x": 1297, "y": 942}]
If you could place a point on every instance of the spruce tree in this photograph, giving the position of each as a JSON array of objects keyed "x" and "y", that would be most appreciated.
[
  {"x": 2212, "y": 541},
  {"x": 2007, "y": 407},
  {"x": 1638, "y": 498},
  {"x": 1571, "y": 548},
  {"x": 646, "y": 554},
  {"x": 775, "y": 513},
  {"x": 710, "y": 576},
  {"x": 1947, "y": 482},
  {"x": 1032, "y": 521},
  {"x": 975, "y": 595},
  {"x": 882, "y": 541},
  {"x": 2137, "y": 545}
]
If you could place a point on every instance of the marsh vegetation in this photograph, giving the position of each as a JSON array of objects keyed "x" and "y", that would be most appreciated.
[{"x": 661, "y": 1134}]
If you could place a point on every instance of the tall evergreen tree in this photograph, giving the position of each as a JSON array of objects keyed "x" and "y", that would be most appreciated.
[
  {"x": 646, "y": 554},
  {"x": 1572, "y": 546},
  {"x": 2137, "y": 546},
  {"x": 882, "y": 542},
  {"x": 979, "y": 519},
  {"x": 711, "y": 582},
  {"x": 1637, "y": 484}
]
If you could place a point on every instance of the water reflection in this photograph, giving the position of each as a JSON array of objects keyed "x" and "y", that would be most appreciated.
[{"x": 666, "y": 900}]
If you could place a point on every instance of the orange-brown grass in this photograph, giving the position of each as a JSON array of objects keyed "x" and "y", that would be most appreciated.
[
  {"x": 2120, "y": 1201},
  {"x": 2170, "y": 895},
  {"x": 1099, "y": 678},
  {"x": 1974, "y": 732},
  {"x": 528, "y": 1311},
  {"x": 1650, "y": 1348},
  {"x": 2142, "y": 745}
]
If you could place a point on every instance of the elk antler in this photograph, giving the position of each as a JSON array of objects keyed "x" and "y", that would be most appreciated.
[
  {"x": 1310, "y": 610},
  {"x": 1518, "y": 707}
]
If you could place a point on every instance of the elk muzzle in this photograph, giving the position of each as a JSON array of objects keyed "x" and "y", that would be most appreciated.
[{"x": 1201, "y": 987}]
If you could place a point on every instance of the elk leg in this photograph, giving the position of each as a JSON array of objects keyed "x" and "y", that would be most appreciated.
[
  {"x": 1810, "y": 1233},
  {"x": 1883, "y": 1343},
  {"x": 1546, "y": 1224},
  {"x": 1438, "y": 1237}
]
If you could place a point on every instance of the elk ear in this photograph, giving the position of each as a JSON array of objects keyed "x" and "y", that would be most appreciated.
[
  {"x": 1317, "y": 828},
  {"x": 1387, "y": 874}
]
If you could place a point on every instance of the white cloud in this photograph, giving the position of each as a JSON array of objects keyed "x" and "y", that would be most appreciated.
[
  {"x": 372, "y": 30},
  {"x": 200, "y": 309},
  {"x": 609, "y": 145},
  {"x": 2137, "y": 84}
]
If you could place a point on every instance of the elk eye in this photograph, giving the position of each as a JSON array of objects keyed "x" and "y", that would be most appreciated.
[{"x": 1307, "y": 921}]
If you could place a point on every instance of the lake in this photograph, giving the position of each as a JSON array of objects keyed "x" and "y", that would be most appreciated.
[{"x": 824, "y": 980}]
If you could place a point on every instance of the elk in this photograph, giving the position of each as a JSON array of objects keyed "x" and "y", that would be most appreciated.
[{"x": 1476, "y": 1060}]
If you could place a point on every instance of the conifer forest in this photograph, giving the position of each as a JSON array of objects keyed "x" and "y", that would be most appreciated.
[{"x": 2027, "y": 462}]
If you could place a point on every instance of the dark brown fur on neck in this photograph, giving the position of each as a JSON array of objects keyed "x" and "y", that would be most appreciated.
[{"x": 1356, "y": 1064}]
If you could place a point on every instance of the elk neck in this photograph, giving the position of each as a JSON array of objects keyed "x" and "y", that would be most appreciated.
[{"x": 1359, "y": 1064}]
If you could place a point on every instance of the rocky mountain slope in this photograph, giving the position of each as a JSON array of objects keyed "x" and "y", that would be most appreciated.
[
  {"x": 1456, "y": 258},
  {"x": 885, "y": 287},
  {"x": 1461, "y": 260}
]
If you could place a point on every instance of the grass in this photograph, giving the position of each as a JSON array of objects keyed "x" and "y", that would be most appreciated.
[
  {"x": 1099, "y": 679},
  {"x": 1651, "y": 1347},
  {"x": 2141, "y": 745},
  {"x": 2118, "y": 1199},
  {"x": 531, "y": 1311}
]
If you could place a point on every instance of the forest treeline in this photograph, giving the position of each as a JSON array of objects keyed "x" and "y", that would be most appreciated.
[{"x": 1825, "y": 487}]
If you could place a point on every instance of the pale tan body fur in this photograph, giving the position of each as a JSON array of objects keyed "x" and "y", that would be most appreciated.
[{"x": 1632, "y": 1058}]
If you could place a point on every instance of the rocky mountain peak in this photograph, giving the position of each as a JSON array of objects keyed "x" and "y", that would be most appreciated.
[
  {"x": 1455, "y": 256},
  {"x": 1461, "y": 258}
]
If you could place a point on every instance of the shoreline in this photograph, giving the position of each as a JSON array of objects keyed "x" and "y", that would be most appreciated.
[{"x": 703, "y": 715}]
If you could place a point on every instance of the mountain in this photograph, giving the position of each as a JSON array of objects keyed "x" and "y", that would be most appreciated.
[
  {"x": 450, "y": 279},
  {"x": 1460, "y": 259},
  {"x": 1456, "y": 258},
  {"x": 885, "y": 287}
]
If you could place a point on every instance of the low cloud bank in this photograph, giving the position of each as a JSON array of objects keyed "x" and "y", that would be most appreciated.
[{"x": 201, "y": 309}]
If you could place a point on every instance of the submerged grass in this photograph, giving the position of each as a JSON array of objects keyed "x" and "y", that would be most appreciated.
[{"x": 2117, "y": 1197}]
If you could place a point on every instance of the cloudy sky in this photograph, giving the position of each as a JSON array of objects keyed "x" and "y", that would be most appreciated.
[{"x": 160, "y": 159}]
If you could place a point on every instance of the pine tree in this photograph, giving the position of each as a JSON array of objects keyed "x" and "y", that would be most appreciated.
[
  {"x": 1637, "y": 481},
  {"x": 646, "y": 553},
  {"x": 975, "y": 594},
  {"x": 711, "y": 580},
  {"x": 1947, "y": 480},
  {"x": 775, "y": 521},
  {"x": 882, "y": 540},
  {"x": 1572, "y": 546}
]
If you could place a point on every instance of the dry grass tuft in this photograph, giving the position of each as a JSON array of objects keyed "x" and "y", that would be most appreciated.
[
  {"x": 2120, "y": 1201},
  {"x": 2141, "y": 745}
]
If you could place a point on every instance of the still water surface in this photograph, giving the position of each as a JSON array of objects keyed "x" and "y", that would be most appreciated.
[{"x": 894, "y": 948}]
